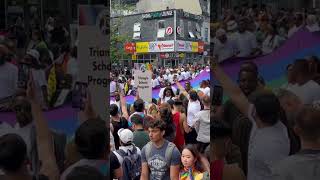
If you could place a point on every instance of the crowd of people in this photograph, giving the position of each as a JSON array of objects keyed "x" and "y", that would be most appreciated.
[
  {"x": 271, "y": 133},
  {"x": 250, "y": 31},
  {"x": 45, "y": 53},
  {"x": 168, "y": 138}
]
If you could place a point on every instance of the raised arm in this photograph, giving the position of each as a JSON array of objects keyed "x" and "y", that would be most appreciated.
[
  {"x": 123, "y": 102},
  {"x": 235, "y": 93},
  {"x": 182, "y": 89},
  {"x": 44, "y": 138}
]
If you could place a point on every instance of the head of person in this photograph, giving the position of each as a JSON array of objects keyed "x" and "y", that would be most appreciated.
[
  {"x": 307, "y": 125},
  {"x": 13, "y": 153},
  {"x": 117, "y": 96},
  {"x": 84, "y": 173},
  {"x": 92, "y": 139},
  {"x": 153, "y": 110},
  {"x": 156, "y": 130},
  {"x": 314, "y": 64},
  {"x": 189, "y": 156},
  {"x": 221, "y": 35},
  {"x": 125, "y": 136},
  {"x": 22, "y": 109},
  {"x": 137, "y": 121},
  {"x": 248, "y": 81},
  {"x": 206, "y": 101},
  {"x": 290, "y": 76},
  {"x": 193, "y": 96},
  {"x": 242, "y": 25},
  {"x": 36, "y": 35},
  {"x": 267, "y": 107},
  {"x": 298, "y": 19},
  {"x": 249, "y": 66},
  {"x": 204, "y": 84},
  {"x": 138, "y": 105},
  {"x": 221, "y": 139},
  {"x": 178, "y": 105},
  {"x": 114, "y": 110},
  {"x": 165, "y": 113},
  {"x": 311, "y": 20},
  {"x": 289, "y": 102},
  {"x": 4, "y": 52},
  {"x": 168, "y": 92},
  {"x": 188, "y": 86},
  {"x": 300, "y": 70},
  {"x": 32, "y": 58}
]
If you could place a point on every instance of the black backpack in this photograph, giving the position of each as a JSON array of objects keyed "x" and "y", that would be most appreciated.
[{"x": 131, "y": 164}]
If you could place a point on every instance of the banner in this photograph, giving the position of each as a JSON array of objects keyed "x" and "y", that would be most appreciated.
[
  {"x": 200, "y": 47},
  {"x": 142, "y": 47},
  {"x": 161, "y": 46},
  {"x": 130, "y": 48},
  {"x": 194, "y": 46},
  {"x": 93, "y": 54},
  {"x": 143, "y": 83}
]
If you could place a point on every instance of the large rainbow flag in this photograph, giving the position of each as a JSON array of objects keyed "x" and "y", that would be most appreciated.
[{"x": 272, "y": 68}]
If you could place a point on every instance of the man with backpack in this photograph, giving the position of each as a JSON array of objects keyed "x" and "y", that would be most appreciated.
[
  {"x": 129, "y": 156},
  {"x": 160, "y": 158}
]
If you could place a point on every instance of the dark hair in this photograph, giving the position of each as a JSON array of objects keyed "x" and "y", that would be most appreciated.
[
  {"x": 301, "y": 66},
  {"x": 138, "y": 105},
  {"x": 91, "y": 139},
  {"x": 220, "y": 129},
  {"x": 267, "y": 107},
  {"x": 137, "y": 119},
  {"x": 167, "y": 89},
  {"x": 13, "y": 152},
  {"x": 84, "y": 173},
  {"x": 114, "y": 109},
  {"x": 246, "y": 70},
  {"x": 157, "y": 124},
  {"x": 307, "y": 120},
  {"x": 193, "y": 149},
  {"x": 193, "y": 95},
  {"x": 166, "y": 116}
]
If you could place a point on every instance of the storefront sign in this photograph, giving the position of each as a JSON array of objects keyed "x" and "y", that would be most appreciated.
[
  {"x": 192, "y": 16},
  {"x": 142, "y": 47},
  {"x": 155, "y": 15},
  {"x": 169, "y": 30},
  {"x": 161, "y": 46},
  {"x": 200, "y": 47},
  {"x": 194, "y": 46},
  {"x": 130, "y": 48}
]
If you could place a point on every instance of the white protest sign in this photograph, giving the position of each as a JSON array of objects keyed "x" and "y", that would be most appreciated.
[
  {"x": 93, "y": 54},
  {"x": 143, "y": 82}
]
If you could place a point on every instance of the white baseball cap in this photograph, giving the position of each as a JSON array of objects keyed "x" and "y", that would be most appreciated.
[
  {"x": 125, "y": 135},
  {"x": 34, "y": 53}
]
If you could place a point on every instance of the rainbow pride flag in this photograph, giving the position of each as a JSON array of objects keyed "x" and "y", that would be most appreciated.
[{"x": 272, "y": 67}]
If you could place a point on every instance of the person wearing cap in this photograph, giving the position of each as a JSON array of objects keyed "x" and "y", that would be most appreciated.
[
  {"x": 224, "y": 48},
  {"x": 8, "y": 75},
  {"x": 31, "y": 59},
  {"x": 126, "y": 143}
]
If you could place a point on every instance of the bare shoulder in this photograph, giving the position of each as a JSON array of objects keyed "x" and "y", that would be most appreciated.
[{"x": 233, "y": 172}]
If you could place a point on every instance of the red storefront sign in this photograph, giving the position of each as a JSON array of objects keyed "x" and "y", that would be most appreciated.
[
  {"x": 130, "y": 48},
  {"x": 200, "y": 47}
]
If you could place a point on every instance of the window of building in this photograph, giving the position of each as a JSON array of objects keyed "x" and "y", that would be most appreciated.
[
  {"x": 181, "y": 28},
  {"x": 190, "y": 30},
  {"x": 161, "y": 29},
  {"x": 136, "y": 31},
  {"x": 136, "y": 35}
]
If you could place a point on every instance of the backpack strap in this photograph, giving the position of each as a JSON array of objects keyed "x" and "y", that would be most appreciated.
[
  {"x": 148, "y": 150},
  {"x": 168, "y": 154}
]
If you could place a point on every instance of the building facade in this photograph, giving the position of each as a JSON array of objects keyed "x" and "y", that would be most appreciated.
[{"x": 164, "y": 38}]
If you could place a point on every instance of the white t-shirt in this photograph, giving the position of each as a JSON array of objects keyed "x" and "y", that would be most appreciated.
[
  {"x": 125, "y": 149},
  {"x": 224, "y": 51},
  {"x": 193, "y": 108},
  {"x": 183, "y": 75},
  {"x": 293, "y": 30},
  {"x": 206, "y": 91},
  {"x": 113, "y": 87},
  {"x": 8, "y": 80},
  {"x": 187, "y": 75},
  {"x": 267, "y": 146},
  {"x": 269, "y": 45},
  {"x": 308, "y": 93},
  {"x": 155, "y": 83},
  {"x": 313, "y": 28},
  {"x": 246, "y": 42},
  {"x": 162, "y": 90}
]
